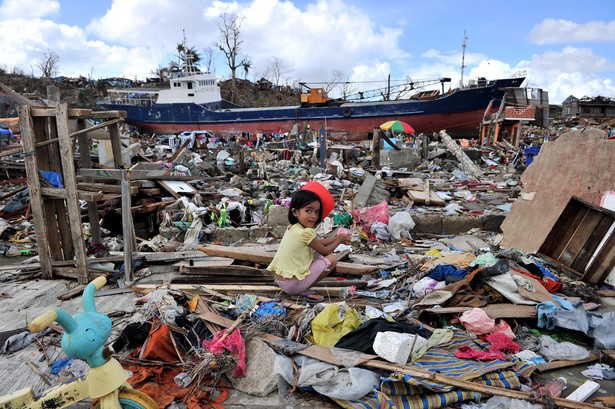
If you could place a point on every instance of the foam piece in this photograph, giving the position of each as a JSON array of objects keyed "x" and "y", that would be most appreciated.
[
  {"x": 395, "y": 347},
  {"x": 584, "y": 391}
]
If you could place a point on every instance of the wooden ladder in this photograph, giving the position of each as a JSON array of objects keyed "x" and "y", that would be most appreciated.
[{"x": 55, "y": 210}]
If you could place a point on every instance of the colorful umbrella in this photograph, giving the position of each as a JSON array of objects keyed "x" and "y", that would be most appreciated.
[{"x": 397, "y": 126}]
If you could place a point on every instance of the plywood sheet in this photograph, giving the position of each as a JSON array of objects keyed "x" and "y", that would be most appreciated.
[{"x": 578, "y": 163}]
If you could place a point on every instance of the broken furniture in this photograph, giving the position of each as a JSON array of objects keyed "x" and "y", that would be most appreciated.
[
  {"x": 48, "y": 146},
  {"x": 583, "y": 241}
]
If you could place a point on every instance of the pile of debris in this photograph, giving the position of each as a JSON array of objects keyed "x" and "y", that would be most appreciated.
[{"x": 430, "y": 306}]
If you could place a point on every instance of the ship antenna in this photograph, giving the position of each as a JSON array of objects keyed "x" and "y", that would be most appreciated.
[{"x": 463, "y": 54}]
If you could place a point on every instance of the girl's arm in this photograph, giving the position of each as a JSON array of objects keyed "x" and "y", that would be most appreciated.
[{"x": 326, "y": 246}]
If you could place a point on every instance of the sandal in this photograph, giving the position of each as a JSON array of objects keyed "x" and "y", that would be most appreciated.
[{"x": 312, "y": 296}]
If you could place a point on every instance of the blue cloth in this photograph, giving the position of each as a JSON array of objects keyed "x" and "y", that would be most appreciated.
[
  {"x": 53, "y": 178},
  {"x": 270, "y": 309},
  {"x": 565, "y": 304},
  {"x": 439, "y": 273},
  {"x": 546, "y": 271},
  {"x": 545, "y": 312},
  {"x": 57, "y": 366}
]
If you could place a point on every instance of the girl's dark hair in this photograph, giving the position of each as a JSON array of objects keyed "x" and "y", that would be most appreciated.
[{"x": 300, "y": 199}]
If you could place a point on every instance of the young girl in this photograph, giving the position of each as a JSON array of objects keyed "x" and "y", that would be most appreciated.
[{"x": 302, "y": 260}]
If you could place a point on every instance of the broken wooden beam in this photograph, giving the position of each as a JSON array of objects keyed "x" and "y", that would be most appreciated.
[
  {"x": 244, "y": 288},
  {"x": 466, "y": 163},
  {"x": 257, "y": 255}
]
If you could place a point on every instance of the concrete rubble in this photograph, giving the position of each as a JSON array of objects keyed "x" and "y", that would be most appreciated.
[{"x": 454, "y": 290}]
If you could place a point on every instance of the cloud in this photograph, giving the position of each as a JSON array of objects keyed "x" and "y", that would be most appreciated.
[
  {"x": 571, "y": 71},
  {"x": 324, "y": 37},
  {"x": 11, "y": 9},
  {"x": 571, "y": 59},
  {"x": 551, "y": 31}
]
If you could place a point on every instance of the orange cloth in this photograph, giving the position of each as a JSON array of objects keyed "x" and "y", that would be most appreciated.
[{"x": 158, "y": 382}]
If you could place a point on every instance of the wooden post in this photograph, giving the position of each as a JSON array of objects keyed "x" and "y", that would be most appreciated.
[
  {"x": 241, "y": 160},
  {"x": 323, "y": 148},
  {"x": 466, "y": 163},
  {"x": 70, "y": 186},
  {"x": 127, "y": 226},
  {"x": 34, "y": 186},
  {"x": 376, "y": 149},
  {"x": 116, "y": 145},
  {"x": 86, "y": 162},
  {"x": 53, "y": 96},
  {"x": 425, "y": 147}
]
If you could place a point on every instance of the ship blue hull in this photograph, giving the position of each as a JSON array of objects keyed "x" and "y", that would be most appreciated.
[{"x": 459, "y": 112}]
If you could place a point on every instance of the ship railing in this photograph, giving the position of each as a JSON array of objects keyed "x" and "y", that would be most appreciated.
[{"x": 126, "y": 99}]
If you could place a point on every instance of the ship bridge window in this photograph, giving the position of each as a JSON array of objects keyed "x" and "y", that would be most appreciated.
[
  {"x": 189, "y": 85},
  {"x": 177, "y": 84}
]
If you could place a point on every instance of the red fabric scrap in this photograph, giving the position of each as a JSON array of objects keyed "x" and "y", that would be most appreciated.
[
  {"x": 500, "y": 342},
  {"x": 552, "y": 286},
  {"x": 471, "y": 353},
  {"x": 232, "y": 342}
]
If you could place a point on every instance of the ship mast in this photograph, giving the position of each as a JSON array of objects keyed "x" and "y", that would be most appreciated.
[{"x": 463, "y": 55}]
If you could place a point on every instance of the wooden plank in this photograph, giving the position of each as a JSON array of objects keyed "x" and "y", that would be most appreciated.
[
  {"x": 221, "y": 280},
  {"x": 70, "y": 185},
  {"x": 72, "y": 293},
  {"x": 466, "y": 163},
  {"x": 170, "y": 257},
  {"x": 603, "y": 263},
  {"x": 75, "y": 113},
  {"x": 206, "y": 262},
  {"x": 86, "y": 162},
  {"x": 563, "y": 229},
  {"x": 492, "y": 310},
  {"x": 34, "y": 186},
  {"x": 177, "y": 188},
  {"x": 421, "y": 197},
  {"x": 573, "y": 273},
  {"x": 550, "y": 366},
  {"x": 579, "y": 238},
  {"x": 257, "y": 255},
  {"x": 116, "y": 146},
  {"x": 56, "y": 215},
  {"x": 591, "y": 244},
  {"x": 43, "y": 130},
  {"x": 59, "y": 193},
  {"x": 246, "y": 288},
  {"x": 84, "y": 131},
  {"x": 227, "y": 270},
  {"x": 105, "y": 188}
]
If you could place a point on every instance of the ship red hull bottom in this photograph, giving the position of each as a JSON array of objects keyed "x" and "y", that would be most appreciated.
[{"x": 463, "y": 124}]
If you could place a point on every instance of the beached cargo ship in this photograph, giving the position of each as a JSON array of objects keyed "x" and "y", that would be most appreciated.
[{"x": 194, "y": 102}]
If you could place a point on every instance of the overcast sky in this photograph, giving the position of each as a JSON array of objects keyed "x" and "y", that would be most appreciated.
[{"x": 566, "y": 47}]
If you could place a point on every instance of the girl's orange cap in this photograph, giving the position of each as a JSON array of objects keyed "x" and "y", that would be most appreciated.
[{"x": 326, "y": 200}]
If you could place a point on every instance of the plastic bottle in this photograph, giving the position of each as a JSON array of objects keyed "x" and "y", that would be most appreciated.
[{"x": 554, "y": 388}]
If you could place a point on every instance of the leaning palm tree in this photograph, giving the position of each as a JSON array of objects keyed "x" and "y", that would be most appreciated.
[{"x": 189, "y": 58}]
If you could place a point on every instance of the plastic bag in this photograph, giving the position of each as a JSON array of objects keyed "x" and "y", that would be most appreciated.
[
  {"x": 603, "y": 330},
  {"x": 367, "y": 216},
  {"x": 327, "y": 379},
  {"x": 554, "y": 351},
  {"x": 400, "y": 224},
  {"x": 191, "y": 239}
]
